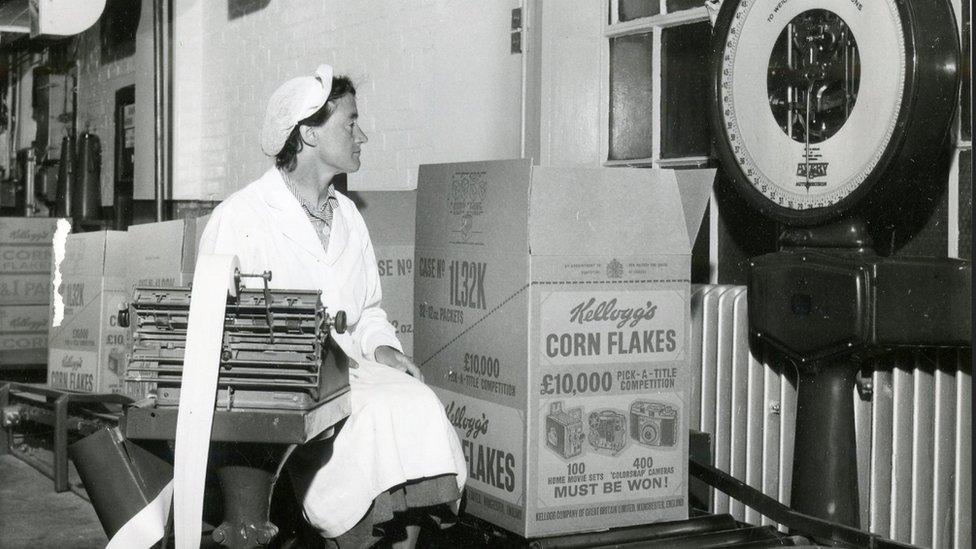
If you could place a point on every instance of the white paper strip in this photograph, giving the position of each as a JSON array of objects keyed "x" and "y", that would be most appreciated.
[
  {"x": 213, "y": 280},
  {"x": 147, "y": 527},
  {"x": 59, "y": 242}
]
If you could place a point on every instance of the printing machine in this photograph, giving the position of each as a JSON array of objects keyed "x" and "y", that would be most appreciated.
[{"x": 282, "y": 381}]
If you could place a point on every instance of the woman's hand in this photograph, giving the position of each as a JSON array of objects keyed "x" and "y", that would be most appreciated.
[{"x": 384, "y": 354}]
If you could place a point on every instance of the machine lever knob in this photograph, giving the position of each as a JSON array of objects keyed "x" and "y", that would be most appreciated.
[
  {"x": 124, "y": 315},
  {"x": 339, "y": 322}
]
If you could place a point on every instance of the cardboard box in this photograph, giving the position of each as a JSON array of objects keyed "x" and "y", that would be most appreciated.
[
  {"x": 552, "y": 320},
  {"x": 27, "y": 231},
  {"x": 87, "y": 348},
  {"x": 161, "y": 254},
  {"x": 25, "y": 268},
  {"x": 23, "y": 334},
  {"x": 164, "y": 254},
  {"x": 390, "y": 219}
]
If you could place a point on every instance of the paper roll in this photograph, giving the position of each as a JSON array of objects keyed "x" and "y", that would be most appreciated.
[{"x": 213, "y": 281}]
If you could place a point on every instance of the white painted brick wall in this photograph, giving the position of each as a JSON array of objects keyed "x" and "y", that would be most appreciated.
[{"x": 419, "y": 67}]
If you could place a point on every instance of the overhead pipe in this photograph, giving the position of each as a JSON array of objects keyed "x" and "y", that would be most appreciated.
[
  {"x": 30, "y": 169},
  {"x": 160, "y": 71},
  {"x": 14, "y": 131}
]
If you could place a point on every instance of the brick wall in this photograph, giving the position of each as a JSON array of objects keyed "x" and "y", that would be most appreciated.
[
  {"x": 419, "y": 67},
  {"x": 100, "y": 75}
]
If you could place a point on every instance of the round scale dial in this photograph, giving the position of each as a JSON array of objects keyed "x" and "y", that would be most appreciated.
[{"x": 811, "y": 98}]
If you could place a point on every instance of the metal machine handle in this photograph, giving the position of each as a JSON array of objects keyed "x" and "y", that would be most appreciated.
[{"x": 266, "y": 277}]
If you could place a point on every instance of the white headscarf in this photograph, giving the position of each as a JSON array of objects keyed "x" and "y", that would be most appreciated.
[{"x": 292, "y": 102}]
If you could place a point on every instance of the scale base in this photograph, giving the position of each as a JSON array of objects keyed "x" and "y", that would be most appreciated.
[{"x": 828, "y": 302}]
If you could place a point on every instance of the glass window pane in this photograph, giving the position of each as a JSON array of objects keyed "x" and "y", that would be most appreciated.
[
  {"x": 678, "y": 5},
  {"x": 635, "y": 9},
  {"x": 631, "y": 98},
  {"x": 684, "y": 91}
]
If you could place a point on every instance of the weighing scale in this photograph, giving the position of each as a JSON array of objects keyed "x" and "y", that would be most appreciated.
[{"x": 827, "y": 116}]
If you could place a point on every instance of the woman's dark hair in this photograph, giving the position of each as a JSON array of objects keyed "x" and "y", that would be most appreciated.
[{"x": 286, "y": 159}]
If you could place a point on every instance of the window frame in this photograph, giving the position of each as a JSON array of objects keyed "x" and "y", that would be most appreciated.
[{"x": 655, "y": 24}]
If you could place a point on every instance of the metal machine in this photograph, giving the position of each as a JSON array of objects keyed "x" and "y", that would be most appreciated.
[{"x": 278, "y": 368}]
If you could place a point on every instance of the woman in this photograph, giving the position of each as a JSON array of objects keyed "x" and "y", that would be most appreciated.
[{"x": 397, "y": 458}]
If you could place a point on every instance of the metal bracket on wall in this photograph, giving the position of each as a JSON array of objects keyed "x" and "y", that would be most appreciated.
[
  {"x": 517, "y": 30},
  {"x": 864, "y": 382}
]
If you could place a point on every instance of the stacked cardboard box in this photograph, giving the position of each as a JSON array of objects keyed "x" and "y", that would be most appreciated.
[
  {"x": 389, "y": 217},
  {"x": 25, "y": 270},
  {"x": 88, "y": 347},
  {"x": 552, "y": 311},
  {"x": 161, "y": 254}
]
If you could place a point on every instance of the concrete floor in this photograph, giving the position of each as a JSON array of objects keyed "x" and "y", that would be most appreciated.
[{"x": 33, "y": 516}]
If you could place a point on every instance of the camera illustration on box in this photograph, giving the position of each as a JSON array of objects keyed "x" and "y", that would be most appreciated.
[
  {"x": 650, "y": 424},
  {"x": 608, "y": 431},
  {"x": 653, "y": 423},
  {"x": 564, "y": 430}
]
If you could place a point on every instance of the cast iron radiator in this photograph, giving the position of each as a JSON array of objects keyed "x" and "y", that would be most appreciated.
[{"x": 912, "y": 415}]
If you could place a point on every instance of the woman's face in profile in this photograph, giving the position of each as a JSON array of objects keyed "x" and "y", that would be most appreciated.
[{"x": 338, "y": 142}]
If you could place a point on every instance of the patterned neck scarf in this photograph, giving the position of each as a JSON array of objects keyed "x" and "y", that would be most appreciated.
[
  {"x": 323, "y": 211},
  {"x": 321, "y": 215}
]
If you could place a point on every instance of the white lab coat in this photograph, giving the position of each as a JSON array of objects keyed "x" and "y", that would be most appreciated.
[{"x": 398, "y": 430}]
